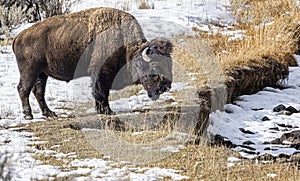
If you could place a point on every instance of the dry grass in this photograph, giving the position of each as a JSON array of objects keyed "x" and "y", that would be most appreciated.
[
  {"x": 144, "y": 4},
  {"x": 126, "y": 92},
  {"x": 6, "y": 42},
  {"x": 210, "y": 163},
  {"x": 63, "y": 133},
  {"x": 198, "y": 162},
  {"x": 270, "y": 33}
]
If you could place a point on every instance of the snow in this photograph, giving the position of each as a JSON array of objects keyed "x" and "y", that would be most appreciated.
[
  {"x": 247, "y": 112},
  {"x": 168, "y": 18},
  {"x": 272, "y": 175}
]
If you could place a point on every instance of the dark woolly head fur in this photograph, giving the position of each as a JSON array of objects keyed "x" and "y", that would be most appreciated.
[{"x": 153, "y": 67}]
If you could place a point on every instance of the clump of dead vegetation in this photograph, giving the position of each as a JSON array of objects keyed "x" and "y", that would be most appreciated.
[
  {"x": 145, "y": 4},
  {"x": 5, "y": 172},
  {"x": 257, "y": 51},
  {"x": 264, "y": 32}
]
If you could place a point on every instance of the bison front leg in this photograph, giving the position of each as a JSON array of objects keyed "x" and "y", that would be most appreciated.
[
  {"x": 39, "y": 93},
  {"x": 101, "y": 92},
  {"x": 102, "y": 107}
]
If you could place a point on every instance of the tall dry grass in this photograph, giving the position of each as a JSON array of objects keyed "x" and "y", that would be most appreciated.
[{"x": 270, "y": 29}]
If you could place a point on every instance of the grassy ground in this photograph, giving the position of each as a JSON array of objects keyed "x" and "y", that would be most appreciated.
[
  {"x": 199, "y": 162},
  {"x": 273, "y": 33}
]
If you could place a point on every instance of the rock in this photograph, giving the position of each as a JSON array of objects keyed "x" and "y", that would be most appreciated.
[
  {"x": 248, "y": 143},
  {"x": 296, "y": 146},
  {"x": 265, "y": 118},
  {"x": 291, "y": 137},
  {"x": 291, "y": 109},
  {"x": 279, "y": 108},
  {"x": 274, "y": 128},
  {"x": 269, "y": 157},
  {"x": 266, "y": 157},
  {"x": 220, "y": 140},
  {"x": 281, "y": 125},
  {"x": 284, "y": 125},
  {"x": 247, "y": 147},
  {"x": 257, "y": 109},
  {"x": 276, "y": 141},
  {"x": 246, "y": 131},
  {"x": 270, "y": 149},
  {"x": 250, "y": 152}
]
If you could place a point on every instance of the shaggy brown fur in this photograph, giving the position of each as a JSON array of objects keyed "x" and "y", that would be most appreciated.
[{"x": 96, "y": 42}]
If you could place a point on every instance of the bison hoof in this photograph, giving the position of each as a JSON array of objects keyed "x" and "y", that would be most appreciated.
[
  {"x": 105, "y": 110},
  {"x": 28, "y": 117},
  {"x": 49, "y": 113}
]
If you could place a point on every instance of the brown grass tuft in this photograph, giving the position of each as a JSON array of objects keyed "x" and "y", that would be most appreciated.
[
  {"x": 267, "y": 32},
  {"x": 144, "y": 4}
]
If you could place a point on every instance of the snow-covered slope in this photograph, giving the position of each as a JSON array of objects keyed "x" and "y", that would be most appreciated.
[{"x": 251, "y": 122}]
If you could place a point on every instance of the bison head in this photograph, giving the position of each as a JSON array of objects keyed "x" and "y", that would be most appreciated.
[{"x": 153, "y": 67}]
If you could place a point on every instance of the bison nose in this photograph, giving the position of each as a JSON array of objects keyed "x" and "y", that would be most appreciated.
[
  {"x": 167, "y": 88},
  {"x": 153, "y": 96},
  {"x": 164, "y": 89}
]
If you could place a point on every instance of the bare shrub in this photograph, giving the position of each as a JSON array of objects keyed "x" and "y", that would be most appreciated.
[
  {"x": 16, "y": 12},
  {"x": 268, "y": 32},
  {"x": 4, "y": 163},
  {"x": 144, "y": 4},
  {"x": 10, "y": 17}
]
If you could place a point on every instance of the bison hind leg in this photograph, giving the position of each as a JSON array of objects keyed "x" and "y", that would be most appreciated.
[
  {"x": 39, "y": 93},
  {"x": 27, "y": 80}
]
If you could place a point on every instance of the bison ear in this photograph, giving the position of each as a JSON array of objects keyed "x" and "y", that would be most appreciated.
[{"x": 145, "y": 54}]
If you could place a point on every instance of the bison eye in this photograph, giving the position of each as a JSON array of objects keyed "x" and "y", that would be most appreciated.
[{"x": 155, "y": 77}]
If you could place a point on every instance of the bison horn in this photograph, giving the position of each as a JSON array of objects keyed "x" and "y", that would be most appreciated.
[{"x": 145, "y": 56}]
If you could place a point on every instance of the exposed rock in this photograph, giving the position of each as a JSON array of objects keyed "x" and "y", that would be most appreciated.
[
  {"x": 246, "y": 131},
  {"x": 271, "y": 149},
  {"x": 296, "y": 146},
  {"x": 276, "y": 141},
  {"x": 274, "y": 128},
  {"x": 247, "y": 147},
  {"x": 291, "y": 109},
  {"x": 269, "y": 157},
  {"x": 284, "y": 125},
  {"x": 248, "y": 143},
  {"x": 291, "y": 137},
  {"x": 220, "y": 140},
  {"x": 279, "y": 108},
  {"x": 250, "y": 152},
  {"x": 257, "y": 109},
  {"x": 265, "y": 118}
]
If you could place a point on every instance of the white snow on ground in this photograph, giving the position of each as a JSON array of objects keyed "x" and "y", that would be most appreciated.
[
  {"x": 247, "y": 112},
  {"x": 169, "y": 17}
]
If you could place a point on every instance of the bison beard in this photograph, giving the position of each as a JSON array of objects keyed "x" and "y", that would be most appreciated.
[{"x": 100, "y": 43}]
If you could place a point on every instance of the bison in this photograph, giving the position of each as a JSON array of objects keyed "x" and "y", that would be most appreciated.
[{"x": 104, "y": 43}]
